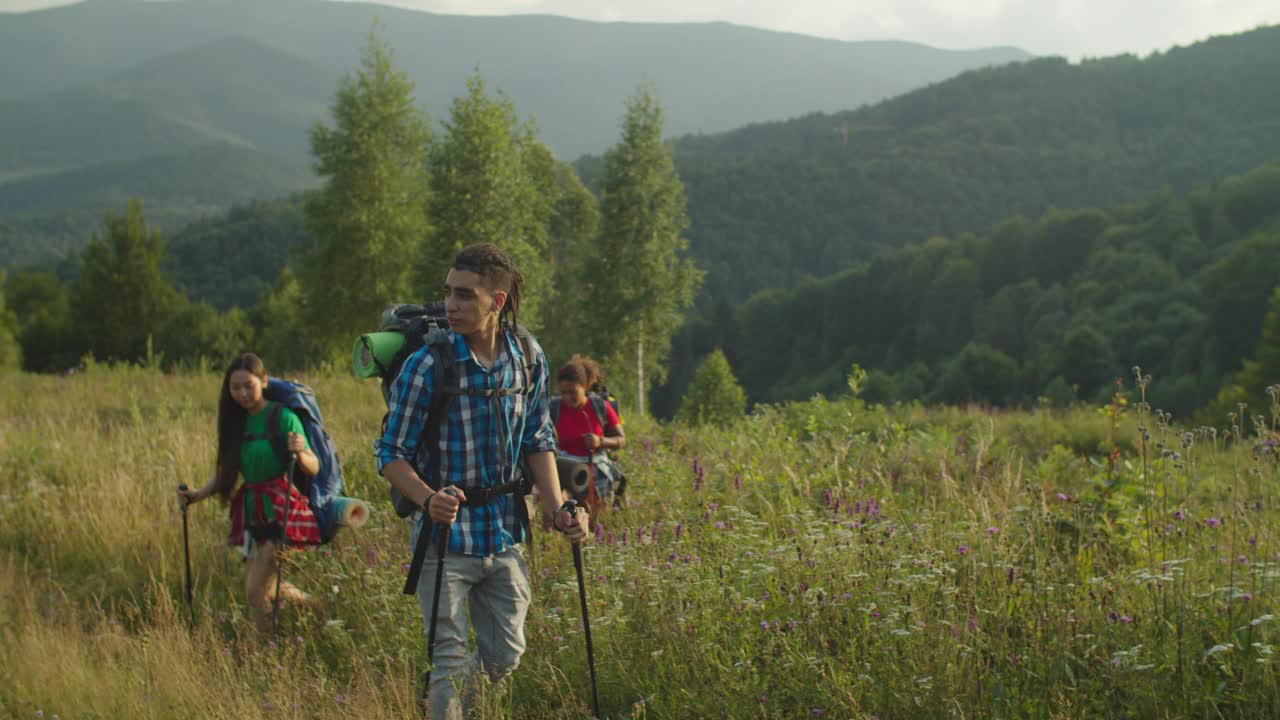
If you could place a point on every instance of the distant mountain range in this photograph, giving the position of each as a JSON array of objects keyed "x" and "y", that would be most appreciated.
[
  {"x": 774, "y": 202},
  {"x": 127, "y": 89}
]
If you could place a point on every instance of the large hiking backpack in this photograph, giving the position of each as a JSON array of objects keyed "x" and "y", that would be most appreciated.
[
  {"x": 405, "y": 329},
  {"x": 324, "y": 491}
]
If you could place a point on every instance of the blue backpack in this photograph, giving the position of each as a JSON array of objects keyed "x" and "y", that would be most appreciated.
[{"x": 324, "y": 490}]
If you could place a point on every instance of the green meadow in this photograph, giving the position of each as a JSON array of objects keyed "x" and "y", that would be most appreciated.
[{"x": 820, "y": 559}]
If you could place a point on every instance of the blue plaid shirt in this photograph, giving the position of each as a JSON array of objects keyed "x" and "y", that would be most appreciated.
[{"x": 480, "y": 447}]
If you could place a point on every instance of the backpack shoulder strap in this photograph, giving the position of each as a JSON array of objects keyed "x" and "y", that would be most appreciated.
[
  {"x": 525, "y": 339},
  {"x": 597, "y": 404},
  {"x": 554, "y": 406},
  {"x": 445, "y": 389}
]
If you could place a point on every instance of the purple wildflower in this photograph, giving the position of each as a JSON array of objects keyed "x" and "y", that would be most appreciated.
[
  {"x": 737, "y": 482},
  {"x": 963, "y": 549},
  {"x": 1213, "y": 522},
  {"x": 719, "y": 525},
  {"x": 1178, "y": 515},
  {"x": 1064, "y": 497},
  {"x": 764, "y": 624},
  {"x": 993, "y": 531}
]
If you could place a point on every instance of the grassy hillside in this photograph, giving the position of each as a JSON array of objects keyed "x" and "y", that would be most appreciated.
[{"x": 824, "y": 559}]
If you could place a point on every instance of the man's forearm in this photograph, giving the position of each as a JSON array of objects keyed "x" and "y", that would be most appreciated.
[
  {"x": 404, "y": 478},
  {"x": 545, "y": 476}
]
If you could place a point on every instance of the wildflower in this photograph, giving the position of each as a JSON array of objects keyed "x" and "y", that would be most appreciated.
[
  {"x": 1244, "y": 597},
  {"x": 1126, "y": 619},
  {"x": 1064, "y": 497},
  {"x": 1213, "y": 522},
  {"x": 1243, "y": 559},
  {"x": 993, "y": 531},
  {"x": 340, "y": 699},
  {"x": 719, "y": 525},
  {"x": 737, "y": 482},
  {"x": 764, "y": 624},
  {"x": 297, "y": 639},
  {"x": 371, "y": 556},
  {"x": 1178, "y": 515},
  {"x": 1253, "y": 540},
  {"x": 713, "y": 506},
  {"x": 963, "y": 549},
  {"x": 875, "y": 614},
  {"x": 679, "y": 530},
  {"x": 817, "y": 712},
  {"x": 600, "y": 578}
]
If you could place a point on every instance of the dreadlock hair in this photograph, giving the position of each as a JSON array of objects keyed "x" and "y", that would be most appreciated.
[
  {"x": 499, "y": 272},
  {"x": 231, "y": 420}
]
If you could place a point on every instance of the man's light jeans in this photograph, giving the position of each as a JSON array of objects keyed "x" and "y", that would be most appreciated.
[{"x": 495, "y": 592}]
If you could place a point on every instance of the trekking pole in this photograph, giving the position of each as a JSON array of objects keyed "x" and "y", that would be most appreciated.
[
  {"x": 186, "y": 553},
  {"x": 284, "y": 542},
  {"x": 442, "y": 546},
  {"x": 572, "y": 507}
]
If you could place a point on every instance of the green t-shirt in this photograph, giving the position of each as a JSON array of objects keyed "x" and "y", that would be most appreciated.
[{"x": 258, "y": 459}]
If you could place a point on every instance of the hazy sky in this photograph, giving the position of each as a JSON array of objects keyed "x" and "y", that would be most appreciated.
[{"x": 1069, "y": 27}]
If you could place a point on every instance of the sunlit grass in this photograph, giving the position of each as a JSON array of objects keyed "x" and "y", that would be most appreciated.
[{"x": 822, "y": 559}]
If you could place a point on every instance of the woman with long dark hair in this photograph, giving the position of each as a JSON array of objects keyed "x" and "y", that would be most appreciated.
[{"x": 266, "y": 498}]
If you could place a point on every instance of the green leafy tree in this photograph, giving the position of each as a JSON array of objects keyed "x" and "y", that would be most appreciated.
[
  {"x": 1262, "y": 371},
  {"x": 279, "y": 335},
  {"x": 198, "y": 332},
  {"x": 491, "y": 181},
  {"x": 368, "y": 222},
  {"x": 10, "y": 350},
  {"x": 42, "y": 305},
  {"x": 980, "y": 373},
  {"x": 714, "y": 397},
  {"x": 574, "y": 227},
  {"x": 121, "y": 294},
  {"x": 642, "y": 280}
]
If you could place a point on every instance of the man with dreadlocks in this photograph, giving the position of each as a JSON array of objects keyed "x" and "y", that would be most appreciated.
[{"x": 490, "y": 424}]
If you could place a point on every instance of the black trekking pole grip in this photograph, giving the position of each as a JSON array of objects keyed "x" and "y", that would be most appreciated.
[
  {"x": 186, "y": 554},
  {"x": 284, "y": 542},
  {"x": 572, "y": 507}
]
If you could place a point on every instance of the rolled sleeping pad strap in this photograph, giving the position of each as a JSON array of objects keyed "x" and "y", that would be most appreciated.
[{"x": 373, "y": 353}]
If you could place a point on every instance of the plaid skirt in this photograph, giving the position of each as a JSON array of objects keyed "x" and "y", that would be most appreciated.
[{"x": 302, "y": 527}]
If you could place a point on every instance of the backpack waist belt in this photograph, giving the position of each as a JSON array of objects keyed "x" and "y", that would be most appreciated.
[{"x": 484, "y": 496}]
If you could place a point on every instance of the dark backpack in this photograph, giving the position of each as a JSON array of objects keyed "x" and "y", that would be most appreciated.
[
  {"x": 323, "y": 489},
  {"x": 424, "y": 326}
]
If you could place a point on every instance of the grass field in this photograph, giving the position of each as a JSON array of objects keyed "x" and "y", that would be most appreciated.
[{"x": 822, "y": 559}]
